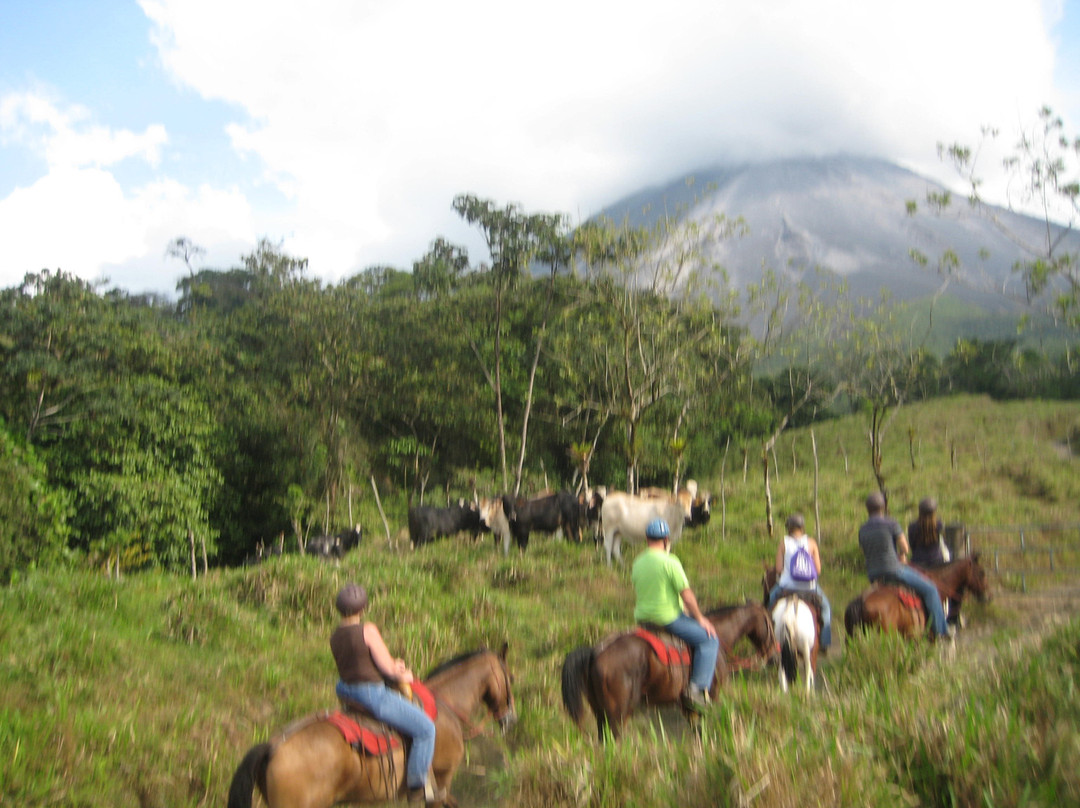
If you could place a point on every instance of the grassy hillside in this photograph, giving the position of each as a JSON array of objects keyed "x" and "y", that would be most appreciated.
[
  {"x": 955, "y": 319},
  {"x": 149, "y": 690}
]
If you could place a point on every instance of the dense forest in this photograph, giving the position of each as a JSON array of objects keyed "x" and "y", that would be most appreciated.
[{"x": 262, "y": 402}]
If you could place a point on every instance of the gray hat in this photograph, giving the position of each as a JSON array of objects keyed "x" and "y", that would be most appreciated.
[
  {"x": 928, "y": 505},
  {"x": 352, "y": 599}
]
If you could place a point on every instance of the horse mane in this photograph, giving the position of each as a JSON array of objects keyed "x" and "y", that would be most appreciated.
[
  {"x": 728, "y": 608},
  {"x": 455, "y": 661}
]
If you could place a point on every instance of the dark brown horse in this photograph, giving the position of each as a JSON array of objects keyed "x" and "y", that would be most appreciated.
[
  {"x": 309, "y": 764},
  {"x": 623, "y": 672},
  {"x": 883, "y": 606}
]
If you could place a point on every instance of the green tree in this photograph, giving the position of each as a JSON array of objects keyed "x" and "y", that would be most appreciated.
[
  {"x": 95, "y": 382},
  {"x": 1043, "y": 171},
  {"x": 33, "y": 514},
  {"x": 648, "y": 333},
  {"x": 514, "y": 240}
]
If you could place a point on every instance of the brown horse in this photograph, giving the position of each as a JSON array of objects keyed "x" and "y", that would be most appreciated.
[
  {"x": 623, "y": 672},
  {"x": 310, "y": 765},
  {"x": 883, "y": 606}
]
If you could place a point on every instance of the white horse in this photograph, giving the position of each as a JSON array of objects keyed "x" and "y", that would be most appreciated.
[{"x": 796, "y": 632}]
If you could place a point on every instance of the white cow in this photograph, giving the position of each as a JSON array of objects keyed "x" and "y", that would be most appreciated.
[
  {"x": 696, "y": 506},
  {"x": 624, "y": 516},
  {"x": 493, "y": 515}
]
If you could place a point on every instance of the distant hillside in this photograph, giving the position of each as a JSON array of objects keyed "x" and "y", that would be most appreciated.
[{"x": 848, "y": 216}]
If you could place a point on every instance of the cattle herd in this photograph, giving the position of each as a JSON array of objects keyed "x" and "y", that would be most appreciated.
[{"x": 609, "y": 517}]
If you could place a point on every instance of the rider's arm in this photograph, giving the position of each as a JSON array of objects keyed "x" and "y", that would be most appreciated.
[
  {"x": 903, "y": 549},
  {"x": 815, "y": 554},
  {"x": 780, "y": 559},
  {"x": 690, "y": 601},
  {"x": 391, "y": 668}
]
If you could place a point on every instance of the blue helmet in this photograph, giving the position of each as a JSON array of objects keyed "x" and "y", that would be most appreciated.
[{"x": 657, "y": 529}]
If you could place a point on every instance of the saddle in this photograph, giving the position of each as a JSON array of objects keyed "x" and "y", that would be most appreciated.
[
  {"x": 811, "y": 599},
  {"x": 366, "y": 734},
  {"x": 669, "y": 649},
  {"x": 907, "y": 596}
]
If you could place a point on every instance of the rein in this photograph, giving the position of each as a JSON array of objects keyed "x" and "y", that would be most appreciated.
[{"x": 471, "y": 730}]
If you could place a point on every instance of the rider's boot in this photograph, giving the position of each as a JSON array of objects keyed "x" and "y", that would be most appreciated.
[{"x": 695, "y": 698}]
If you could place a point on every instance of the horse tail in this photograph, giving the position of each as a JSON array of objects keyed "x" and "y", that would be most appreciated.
[
  {"x": 250, "y": 772},
  {"x": 855, "y": 615},
  {"x": 575, "y": 673},
  {"x": 788, "y": 652}
]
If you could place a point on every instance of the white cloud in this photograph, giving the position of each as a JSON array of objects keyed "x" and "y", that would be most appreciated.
[
  {"x": 369, "y": 117},
  {"x": 78, "y": 217},
  {"x": 65, "y": 139}
]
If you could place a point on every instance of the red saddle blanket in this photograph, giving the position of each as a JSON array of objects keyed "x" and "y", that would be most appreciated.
[
  {"x": 909, "y": 598},
  {"x": 382, "y": 739},
  {"x": 668, "y": 653}
]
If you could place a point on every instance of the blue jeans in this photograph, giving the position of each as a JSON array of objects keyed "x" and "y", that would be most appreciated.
[
  {"x": 926, "y": 590},
  {"x": 392, "y": 709},
  {"x": 706, "y": 648},
  {"x": 826, "y": 613}
]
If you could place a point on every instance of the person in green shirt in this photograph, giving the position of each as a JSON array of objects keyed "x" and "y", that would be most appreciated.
[{"x": 664, "y": 598}]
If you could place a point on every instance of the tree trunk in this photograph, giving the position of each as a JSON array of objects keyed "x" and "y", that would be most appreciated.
[
  {"x": 528, "y": 412},
  {"x": 817, "y": 506},
  {"x": 378, "y": 504},
  {"x": 498, "y": 388},
  {"x": 768, "y": 493},
  {"x": 723, "y": 492}
]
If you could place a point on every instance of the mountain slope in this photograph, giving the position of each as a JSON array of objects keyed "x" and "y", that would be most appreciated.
[{"x": 848, "y": 216}]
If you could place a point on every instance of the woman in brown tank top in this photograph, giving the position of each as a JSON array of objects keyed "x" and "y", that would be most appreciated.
[{"x": 365, "y": 665}]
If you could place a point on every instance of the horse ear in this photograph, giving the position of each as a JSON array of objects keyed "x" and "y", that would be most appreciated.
[{"x": 505, "y": 648}]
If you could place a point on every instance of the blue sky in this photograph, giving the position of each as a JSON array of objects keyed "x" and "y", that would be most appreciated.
[{"x": 342, "y": 130}]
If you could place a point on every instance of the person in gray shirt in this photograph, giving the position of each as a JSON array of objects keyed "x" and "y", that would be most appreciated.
[{"x": 885, "y": 548}]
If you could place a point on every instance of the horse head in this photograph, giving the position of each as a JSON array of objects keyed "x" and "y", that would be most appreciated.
[
  {"x": 768, "y": 581},
  {"x": 977, "y": 580},
  {"x": 764, "y": 635},
  {"x": 467, "y": 680},
  {"x": 497, "y": 695}
]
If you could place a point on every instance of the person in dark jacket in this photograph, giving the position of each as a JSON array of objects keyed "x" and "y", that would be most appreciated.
[{"x": 924, "y": 536}]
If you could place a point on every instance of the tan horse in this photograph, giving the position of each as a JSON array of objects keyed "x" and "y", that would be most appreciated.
[{"x": 309, "y": 765}]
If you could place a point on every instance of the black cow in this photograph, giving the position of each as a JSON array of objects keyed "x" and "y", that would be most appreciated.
[
  {"x": 546, "y": 514},
  {"x": 335, "y": 546},
  {"x": 427, "y": 522}
]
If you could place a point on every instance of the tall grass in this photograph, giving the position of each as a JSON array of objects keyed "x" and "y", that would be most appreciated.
[{"x": 147, "y": 691}]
